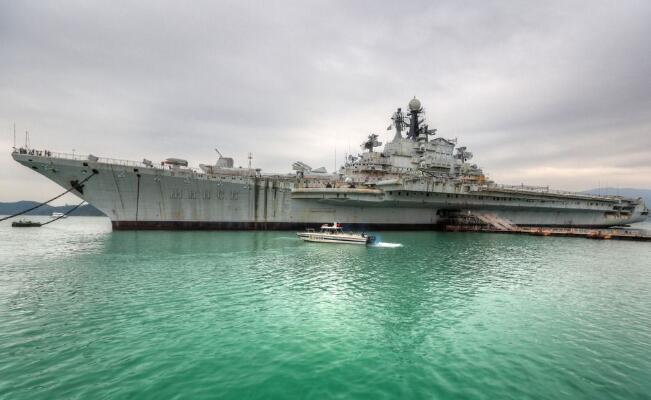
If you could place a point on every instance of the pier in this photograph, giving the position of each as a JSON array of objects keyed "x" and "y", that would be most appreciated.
[{"x": 490, "y": 223}]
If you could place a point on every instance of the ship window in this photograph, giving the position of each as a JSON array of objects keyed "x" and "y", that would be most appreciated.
[{"x": 407, "y": 194}]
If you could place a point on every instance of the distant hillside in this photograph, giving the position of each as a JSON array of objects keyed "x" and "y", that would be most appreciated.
[
  {"x": 626, "y": 192},
  {"x": 18, "y": 206}
]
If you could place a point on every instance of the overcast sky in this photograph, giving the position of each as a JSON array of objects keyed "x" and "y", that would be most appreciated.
[{"x": 549, "y": 93}]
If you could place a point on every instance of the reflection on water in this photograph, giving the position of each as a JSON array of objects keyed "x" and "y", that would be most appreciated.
[
  {"x": 387, "y": 245},
  {"x": 85, "y": 312}
]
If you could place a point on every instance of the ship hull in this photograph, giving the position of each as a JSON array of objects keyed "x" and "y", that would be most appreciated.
[
  {"x": 135, "y": 197},
  {"x": 287, "y": 226},
  {"x": 261, "y": 226}
]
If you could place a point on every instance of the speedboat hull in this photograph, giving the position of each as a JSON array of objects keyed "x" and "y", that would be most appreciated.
[{"x": 317, "y": 237}]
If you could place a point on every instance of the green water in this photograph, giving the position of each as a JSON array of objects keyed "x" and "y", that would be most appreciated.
[{"x": 90, "y": 314}]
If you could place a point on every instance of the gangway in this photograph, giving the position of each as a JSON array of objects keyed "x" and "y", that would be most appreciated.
[{"x": 493, "y": 220}]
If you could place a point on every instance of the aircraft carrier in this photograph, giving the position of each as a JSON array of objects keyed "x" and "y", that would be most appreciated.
[{"x": 419, "y": 180}]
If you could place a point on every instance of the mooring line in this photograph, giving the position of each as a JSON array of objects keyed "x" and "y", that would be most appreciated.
[
  {"x": 74, "y": 186},
  {"x": 65, "y": 214}
]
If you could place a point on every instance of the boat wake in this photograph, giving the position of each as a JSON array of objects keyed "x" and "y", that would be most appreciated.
[{"x": 387, "y": 245}]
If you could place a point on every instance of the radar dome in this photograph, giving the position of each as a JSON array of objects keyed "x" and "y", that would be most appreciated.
[{"x": 414, "y": 104}]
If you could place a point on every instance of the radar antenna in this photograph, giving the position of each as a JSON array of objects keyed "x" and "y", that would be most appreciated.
[
  {"x": 398, "y": 121},
  {"x": 426, "y": 131},
  {"x": 463, "y": 154},
  {"x": 371, "y": 143}
]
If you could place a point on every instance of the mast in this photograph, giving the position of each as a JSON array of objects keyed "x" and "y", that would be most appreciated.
[{"x": 414, "y": 124}]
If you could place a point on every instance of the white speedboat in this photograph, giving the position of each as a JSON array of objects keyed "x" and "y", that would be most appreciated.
[
  {"x": 335, "y": 234},
  {"x": 59, "y": 215}
]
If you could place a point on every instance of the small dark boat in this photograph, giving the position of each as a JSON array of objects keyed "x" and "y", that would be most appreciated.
[{"x": 23, "y": 223}]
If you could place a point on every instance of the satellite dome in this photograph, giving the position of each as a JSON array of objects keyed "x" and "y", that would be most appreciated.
[{"x": 414, "y": 104}]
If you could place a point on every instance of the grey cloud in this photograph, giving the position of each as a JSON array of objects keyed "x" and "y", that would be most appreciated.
[{"x": 523, "y": 84}]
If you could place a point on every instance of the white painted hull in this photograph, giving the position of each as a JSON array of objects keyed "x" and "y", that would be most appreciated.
[{"x": 320, "y": 238}]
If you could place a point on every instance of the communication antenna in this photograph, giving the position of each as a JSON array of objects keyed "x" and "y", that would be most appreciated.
[
  {"x": 217, "y": 150},
  {"x": 14, "y": 136},
  {"x": 250, "y": 158},
  {"x": 371, "y": 142},
  {"x": 27, "y": 139},
  {"x": 400, "y": 122}
]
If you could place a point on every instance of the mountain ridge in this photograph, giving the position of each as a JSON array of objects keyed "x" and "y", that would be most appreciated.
[{"x": 10, "y": 208}]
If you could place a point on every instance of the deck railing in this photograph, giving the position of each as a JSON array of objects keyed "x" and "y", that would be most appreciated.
[{"x": 84, "y": 157}]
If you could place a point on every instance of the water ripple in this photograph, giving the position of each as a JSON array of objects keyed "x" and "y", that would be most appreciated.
[{"x": 86, "y": 313}]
